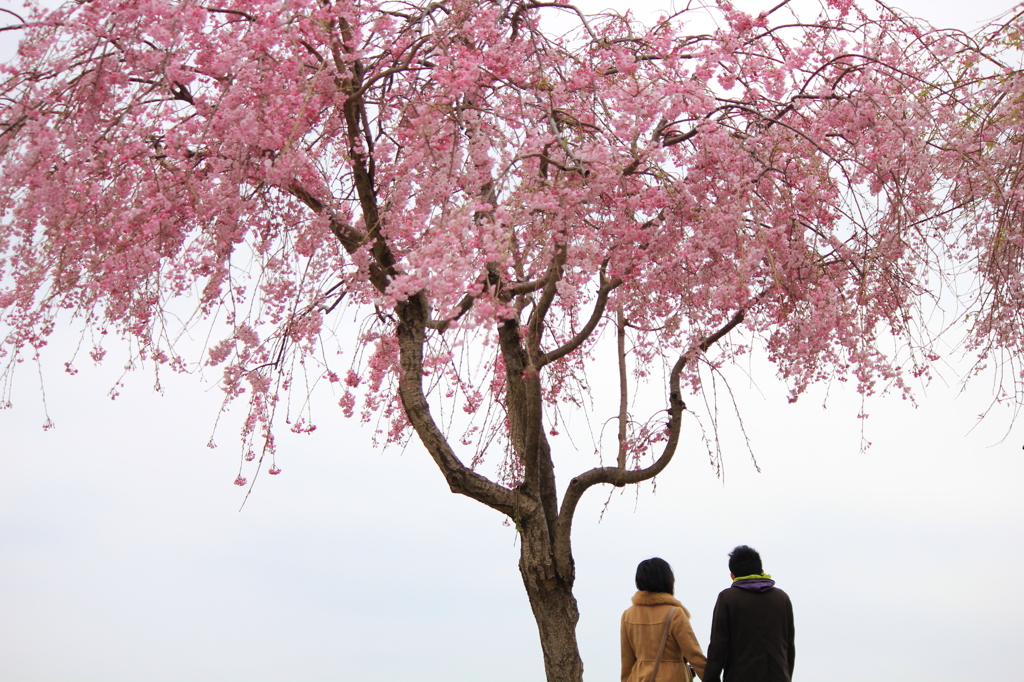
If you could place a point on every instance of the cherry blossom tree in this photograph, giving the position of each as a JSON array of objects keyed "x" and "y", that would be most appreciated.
[{"x": 496, "y": 189}]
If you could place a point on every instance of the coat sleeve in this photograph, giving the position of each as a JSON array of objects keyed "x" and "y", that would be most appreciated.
[
  {"x": 718, "y": 648},
  {"x": 688, "y": 645},
  {"x": 791, "y": 638},
  {"x": 628, "y": 655}
]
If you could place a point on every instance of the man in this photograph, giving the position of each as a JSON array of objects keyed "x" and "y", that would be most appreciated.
[{"x": 752, "y": 630}]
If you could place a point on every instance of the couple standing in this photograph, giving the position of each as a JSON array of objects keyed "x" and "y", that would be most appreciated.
[{"x": 751, "y": 632}]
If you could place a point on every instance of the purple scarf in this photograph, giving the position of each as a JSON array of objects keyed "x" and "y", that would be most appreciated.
[{"x": 755, "y": 584}]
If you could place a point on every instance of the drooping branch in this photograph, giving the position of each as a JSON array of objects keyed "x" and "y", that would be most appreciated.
[{"x": 13, "y": 14}]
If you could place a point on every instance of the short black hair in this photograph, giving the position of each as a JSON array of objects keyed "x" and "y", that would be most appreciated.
[
  {"x": 655, "y": 575},
  {"x": 745, "y": 561}
]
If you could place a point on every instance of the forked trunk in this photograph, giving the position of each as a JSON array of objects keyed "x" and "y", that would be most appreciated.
[{"x": 554, "y": 606}]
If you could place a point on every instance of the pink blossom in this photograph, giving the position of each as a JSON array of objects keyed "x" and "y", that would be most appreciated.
[{"x": 193, "y": 193}]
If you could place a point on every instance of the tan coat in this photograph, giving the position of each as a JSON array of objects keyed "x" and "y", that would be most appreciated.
[{"x": 642, "y": 628}]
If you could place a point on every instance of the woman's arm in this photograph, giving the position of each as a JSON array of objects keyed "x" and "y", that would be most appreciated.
[
  {"x": 628, "y": 655},
  {"x": 688, "y": 645}
]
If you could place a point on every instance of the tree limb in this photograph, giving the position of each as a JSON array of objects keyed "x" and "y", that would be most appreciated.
[
  {"x": 670, "y": 140},
  {"x": 529, "y": 286},
  {"x": 535, "y": 325},
  {"x": 623, "y": 387},
  {"x": 240, "y": 13},
  {"x": 620, "y": 476},
  {"x": 595, "y": 317},
  {"x": 488, "y": 278},
  {"x": 461, "y": 479}
]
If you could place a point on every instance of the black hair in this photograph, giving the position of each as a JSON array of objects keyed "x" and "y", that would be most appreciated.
[
  {"x": 655, "y": 575},
  {"x": 745, "y": 561}
]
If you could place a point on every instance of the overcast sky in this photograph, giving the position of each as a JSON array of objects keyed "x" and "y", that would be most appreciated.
[{"x": 124, "y": 557}]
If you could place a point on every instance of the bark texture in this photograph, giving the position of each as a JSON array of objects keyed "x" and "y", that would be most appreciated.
[{"x": 552, "y": 601}]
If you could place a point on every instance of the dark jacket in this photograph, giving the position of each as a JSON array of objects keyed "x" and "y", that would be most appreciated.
[{"x": 752, "y": 634}]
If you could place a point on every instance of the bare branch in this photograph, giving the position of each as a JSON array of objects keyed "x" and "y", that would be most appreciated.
[
  {"x": 571, "y": 8},
  {"x": 776, "y": 8},
  {"x": 620, "y": 476},
  {"x": 13, "y": 27},
  {"x": 623, "y": 387}
]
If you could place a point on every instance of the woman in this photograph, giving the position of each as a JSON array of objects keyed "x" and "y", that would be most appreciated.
[{"x": 643, "y": 626}]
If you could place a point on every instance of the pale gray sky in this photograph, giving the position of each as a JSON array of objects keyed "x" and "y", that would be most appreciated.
[{"x": 124, "y": 558}]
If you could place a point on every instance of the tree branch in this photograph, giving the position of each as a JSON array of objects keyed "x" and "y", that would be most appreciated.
[
  {"x": 670, "y": 140},
  {"x": 17, "y": 16},
  {"x": 529, "y": 286},
  {"x": 412, "y": 315},
  {"x": 239, "y": 13},
  {"x": 620, "y": 476},
  {"x": 488, "y": 278},
  {"x": 595, "y": 317},
  {"x": 551, "y": 277},
  {"x": 623, "y": 387},
  {"x": 381, "y": 268},
  {"x": 726, "y": 328},
  {"x": 464, "y": 305}
]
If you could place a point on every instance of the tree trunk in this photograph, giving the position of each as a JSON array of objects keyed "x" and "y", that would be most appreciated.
[{"x": 554, "y": 606}]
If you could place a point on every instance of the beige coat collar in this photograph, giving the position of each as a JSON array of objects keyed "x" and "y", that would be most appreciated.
[{"x": 643, "y": 598}]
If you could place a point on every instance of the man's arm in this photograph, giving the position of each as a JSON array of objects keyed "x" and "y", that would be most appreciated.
[
  {"x": 792, "y": 637},
  {"x": 718, "y": 649}
]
